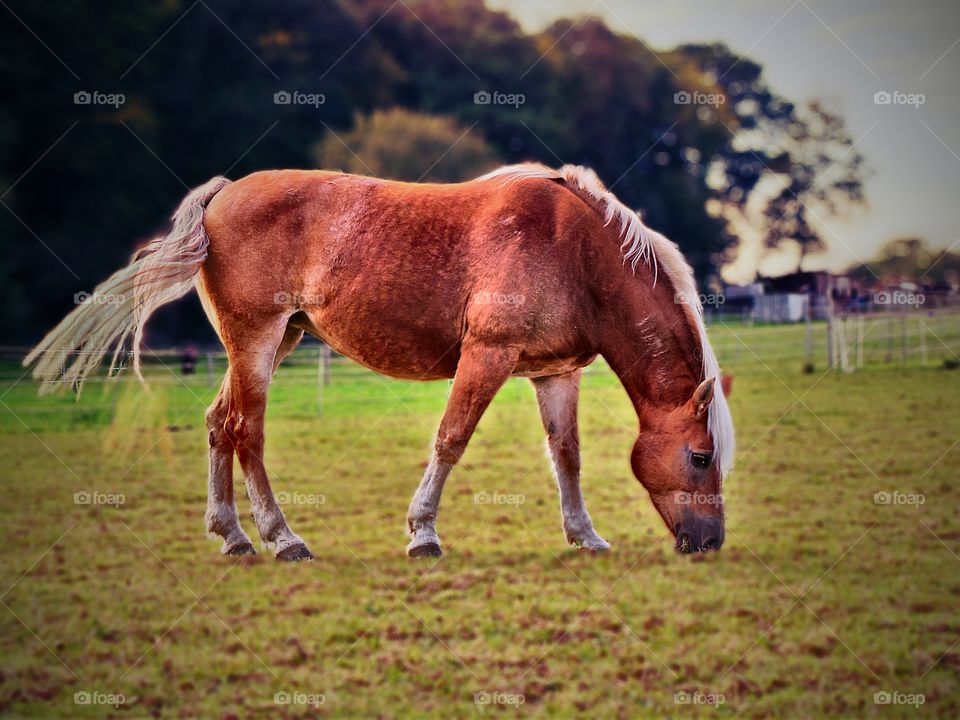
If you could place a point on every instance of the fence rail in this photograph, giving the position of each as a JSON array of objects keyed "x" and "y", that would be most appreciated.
[{"x": 313, "y": 380}]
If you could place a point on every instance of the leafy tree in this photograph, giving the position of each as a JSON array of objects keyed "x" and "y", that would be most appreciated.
[
  {"x": 805, "y": 153},
  {"x": 911, "y": 259},
  {"x": 405, "y": 145},
  {"x": 823, "y": 171},
  {"x": 200, "y": 80},
  {"x": 199, "y": 90}
]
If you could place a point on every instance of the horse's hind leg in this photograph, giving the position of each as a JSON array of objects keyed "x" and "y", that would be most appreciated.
[
  {"x": 557, "y": 397},
  {"x": 253, "y": 358},
  {"x": 482, "y": 370},
  {"x": 221, "y": 516}
]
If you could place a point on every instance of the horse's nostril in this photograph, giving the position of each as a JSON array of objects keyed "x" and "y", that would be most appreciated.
[{"x": 710, "y": 544}]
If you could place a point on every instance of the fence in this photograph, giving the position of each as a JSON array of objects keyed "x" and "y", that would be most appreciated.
[
  {"x": 314, "y": 381},
  {"x": 781, "y": 308},
  {"x": 785, "y": 307},
  {"x": 919, "y": 338}
]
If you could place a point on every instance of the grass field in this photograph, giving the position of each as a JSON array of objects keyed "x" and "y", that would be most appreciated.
[{"x": 823, "y": 596}]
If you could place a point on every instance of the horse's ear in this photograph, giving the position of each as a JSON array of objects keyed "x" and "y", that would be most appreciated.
[
  {"x": 726, "y": 384},
  {"x": 702, "y": 397}
]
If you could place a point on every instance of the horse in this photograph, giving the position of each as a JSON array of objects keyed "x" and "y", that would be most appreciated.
[{"x": 526, "y": 271}]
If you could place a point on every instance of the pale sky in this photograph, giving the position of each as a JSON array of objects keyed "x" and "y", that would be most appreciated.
[{"x": 843, "y": 52}]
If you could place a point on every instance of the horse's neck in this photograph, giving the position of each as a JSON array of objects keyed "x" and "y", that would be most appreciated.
[{"x": 654, "y": 351}]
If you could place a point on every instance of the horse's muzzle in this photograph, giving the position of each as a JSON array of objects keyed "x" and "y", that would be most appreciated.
[{"x": 695, "y": 534}]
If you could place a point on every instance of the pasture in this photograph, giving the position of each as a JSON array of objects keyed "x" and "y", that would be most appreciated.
[{"x": 825, "y": 593}]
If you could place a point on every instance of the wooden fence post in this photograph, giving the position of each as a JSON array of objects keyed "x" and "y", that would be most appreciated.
[
  {"x": 903, "y": 339},
  {"x": 922, "y": 328},
  {"x": 211, "y": 378},
  {"x": 889, "y": 357},
  {"x": 321, "y": 373},
  {"x": 327, "y": 362},
  {"x": 860, "y": 339},
  {"x": 842, "y": 348},
  {"x": 830, "y": 339}
]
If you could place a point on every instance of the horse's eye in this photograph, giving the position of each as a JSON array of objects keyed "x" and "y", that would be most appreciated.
[{"x": 701, "y": 460}]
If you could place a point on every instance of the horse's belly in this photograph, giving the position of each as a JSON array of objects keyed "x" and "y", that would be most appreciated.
[
  {"x": 388, "y": 348},
  {"x": 393, "y": 350}
]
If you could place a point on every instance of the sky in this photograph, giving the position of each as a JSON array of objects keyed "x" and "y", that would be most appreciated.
[{"x": 843, "y": 52}]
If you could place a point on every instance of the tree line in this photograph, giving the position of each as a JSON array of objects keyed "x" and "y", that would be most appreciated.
[{"x": 110, "y": 113}]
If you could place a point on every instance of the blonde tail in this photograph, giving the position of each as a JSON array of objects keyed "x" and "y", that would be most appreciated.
[{"x": 163, "y": 271}]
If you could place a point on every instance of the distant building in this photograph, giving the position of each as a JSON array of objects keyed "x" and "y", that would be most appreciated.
[
  {"x": 845, "y": 292},
  {"x": 753, "y": 302},
  {"x": 792, "y": 297}
]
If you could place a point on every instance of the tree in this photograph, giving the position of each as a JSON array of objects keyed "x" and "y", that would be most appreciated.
[
  {"x": 911, "y": 259},
  {"x": 406, "y": 145},
  {"x": 201, "y": 82},
  {"x": 805, "y": 154},
  {"x": 823, "y": 172}
]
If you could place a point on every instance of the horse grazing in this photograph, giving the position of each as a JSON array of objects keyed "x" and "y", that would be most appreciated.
[{"x": 526, "y": 271}]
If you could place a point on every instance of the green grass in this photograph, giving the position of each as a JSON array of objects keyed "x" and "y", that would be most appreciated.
[{"x": 819, "y": 599}]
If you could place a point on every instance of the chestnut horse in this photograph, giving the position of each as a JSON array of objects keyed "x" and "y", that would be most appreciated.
[{"x": 526, "y": 271}]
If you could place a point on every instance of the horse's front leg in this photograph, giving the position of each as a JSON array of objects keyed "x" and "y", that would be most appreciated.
[
  {"x": 557, "y": 397},
  {"x": 482, "y": 370}
]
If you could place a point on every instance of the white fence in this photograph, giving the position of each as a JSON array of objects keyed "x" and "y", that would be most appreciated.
[{"x": 314, "y": 381}]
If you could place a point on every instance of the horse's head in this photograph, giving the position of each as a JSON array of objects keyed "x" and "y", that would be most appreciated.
[{"x": 673, "y": 459}]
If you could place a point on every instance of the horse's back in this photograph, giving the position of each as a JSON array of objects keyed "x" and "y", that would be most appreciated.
[{"x": 395, "y": 274}]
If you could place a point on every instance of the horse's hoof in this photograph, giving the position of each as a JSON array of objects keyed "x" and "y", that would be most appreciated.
[
  {"x": 595, "y": 544},
  {"x": 430, "y": 549},
  {"x": 243, "y": 548},
  {"x": 295, "y": 553}
]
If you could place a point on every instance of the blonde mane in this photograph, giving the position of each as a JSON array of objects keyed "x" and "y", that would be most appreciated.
[{"x": 642, "y": 243}]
